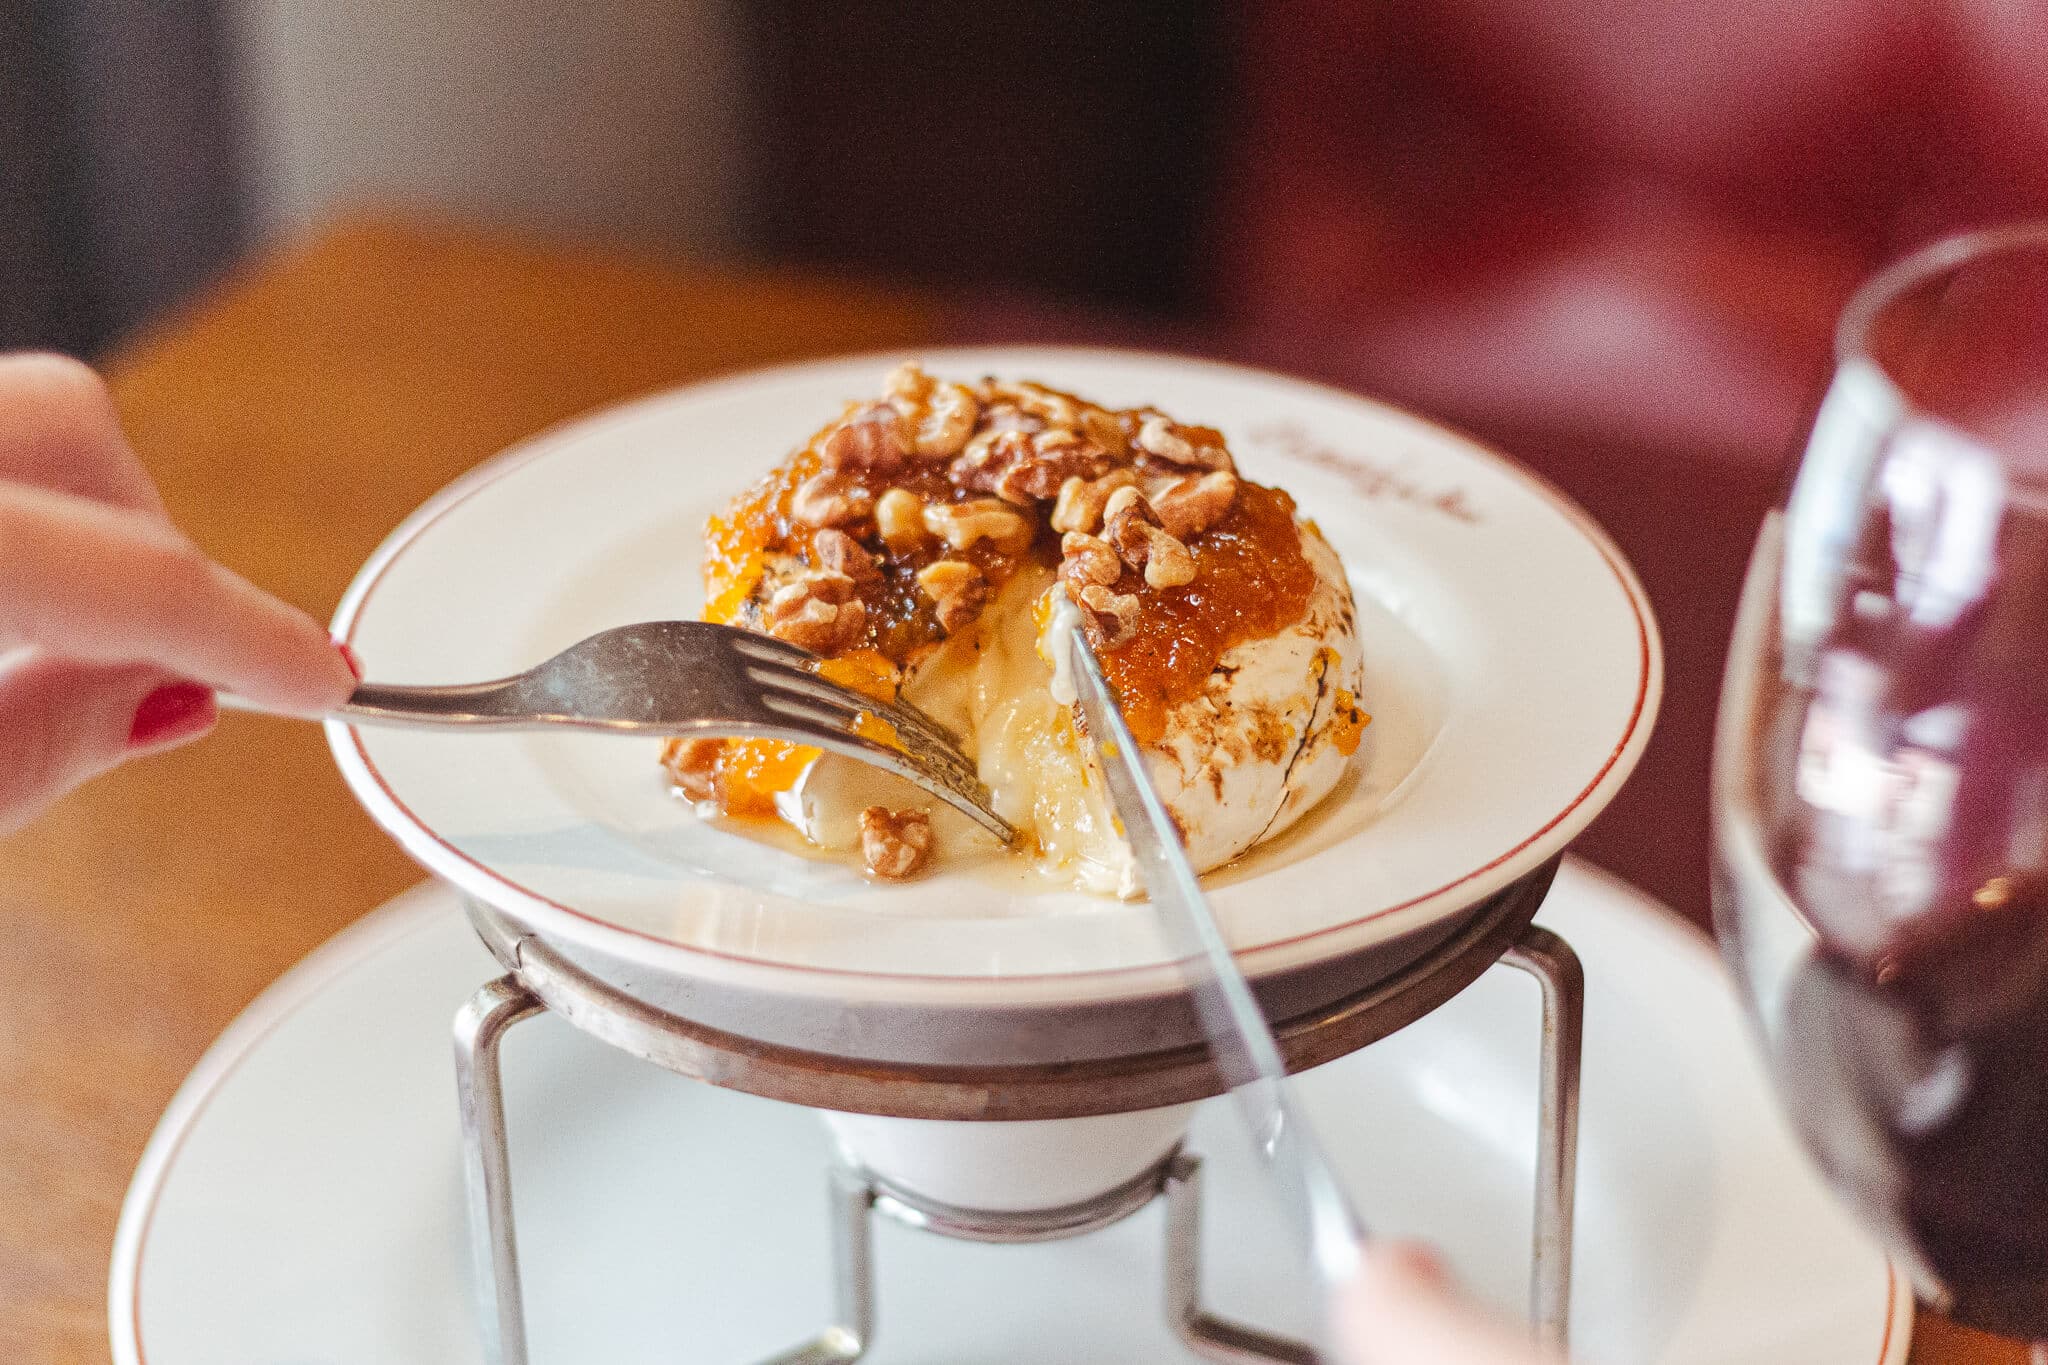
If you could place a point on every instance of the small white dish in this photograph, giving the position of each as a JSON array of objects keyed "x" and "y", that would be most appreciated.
[
  {"x": 301, "y": 1201},
  {"x": 1513, "y": 669}
]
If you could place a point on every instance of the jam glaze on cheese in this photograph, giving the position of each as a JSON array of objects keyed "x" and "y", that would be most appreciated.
[{"x": 910, "y": 535}]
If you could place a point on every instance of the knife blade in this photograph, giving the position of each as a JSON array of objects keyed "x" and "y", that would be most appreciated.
[{"x": 1325, "y": 1226}]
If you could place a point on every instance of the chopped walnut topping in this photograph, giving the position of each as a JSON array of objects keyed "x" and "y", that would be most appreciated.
[
  {"x": 981, "y": 458},
  {"x": 1125, "y": 518},
  {"x": 1081, "y": 500},
  {"x": 1057, "y": 455},
  {"x": 840, "y": 553},
  {"x": 1132, "y": 527},
  {"x": 1036, "y": 400},
  {"x": 829, "y": 498},
  {"x": 1168, "y": 564},
  {"x": 1161, "y": 438},
  {"x": 960, "y": 524},
  {"x": 899, "y": 517},
  {"x": 872, "y": 436},
  {"x": 999, "y": 417},
  {"x": 894, "y": 844},
  {"x": 958, "y": 591},
  {"x": 818, "y": 612},
  {"x": 1106, "y": 429},
  {"x": 1192, "y": 503},
  {"x": 1085, "y": 559},
  {"x": 693, "y": 763},
  {"x": 1023, "y": 467},
  {"x": 908, "y": 385},
  {"x": 941, "y": 416},
  {"x": 1115, "y": 614},
  {"x": 948, "y": 422}
]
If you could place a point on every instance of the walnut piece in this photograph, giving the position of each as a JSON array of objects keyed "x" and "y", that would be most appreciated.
[
  {"x": 1131, "y": 526},
  {"x": 1106, "y": 429},
  {"x": 941, "y": 415},
  {"x": 1115, "y": 614},
  {"x": 894, "y": 844},
  {"x": 1085, "y": 559},
  {"x": 872, "y": 436},
  {"x": 1163, "y": 439},
  {"x": 899, "y": 517},
  {"x": 1125, "y": 519},
  {"x": 1193, "y": 503},
  {"x": 908, "y": 383},
  {"x": 840, "y": 553},
  {"x": 1024, "y": 467},
  {"x": 960, "y": 524},
  {"x": 1168, "y": 565},
  {"x": 999, "y": 418},
  {"x": 1034, "y": 400},
  {"x": 957, "y": 589},
  {"x": 818, "y": 612},
  {"x": 693, "y": 763},
  {"x": 828, "y": 498},
  {"x": 1081, "y": 500},
  {"x": 948, "y": 421}
]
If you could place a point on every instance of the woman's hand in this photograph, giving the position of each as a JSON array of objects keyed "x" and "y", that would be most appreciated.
[
  {"x": 1401, "y": 1309},
  {"x": 115, "y": 630}
]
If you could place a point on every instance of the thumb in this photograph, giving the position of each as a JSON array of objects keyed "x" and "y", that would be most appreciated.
[
  {"x": 63, "y": 722},
  {"x": 1401, "y": 1308}
]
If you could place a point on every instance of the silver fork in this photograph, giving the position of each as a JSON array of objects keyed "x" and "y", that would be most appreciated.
[{"x": 688, "y": 679}]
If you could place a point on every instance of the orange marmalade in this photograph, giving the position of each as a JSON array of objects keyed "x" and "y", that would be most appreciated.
[{"x": 1251, "y": 581}]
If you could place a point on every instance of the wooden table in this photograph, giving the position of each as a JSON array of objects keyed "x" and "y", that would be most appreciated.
[{"x": 293, "y": 419}]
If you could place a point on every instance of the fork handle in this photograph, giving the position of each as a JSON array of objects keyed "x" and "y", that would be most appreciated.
[
  {"x": 481, "y": 704},
  {"x": 489, "y": 703}
]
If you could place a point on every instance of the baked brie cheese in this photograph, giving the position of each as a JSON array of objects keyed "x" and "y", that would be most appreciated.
[{"x": 922, "y": 543}]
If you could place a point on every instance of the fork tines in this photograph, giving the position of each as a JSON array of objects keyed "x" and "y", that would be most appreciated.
[{"x": 838, "y": 707}]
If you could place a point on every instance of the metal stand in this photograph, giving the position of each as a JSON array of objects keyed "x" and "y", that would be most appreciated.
[
  {"x": 856, "y": 1195},
  {"x": 1555, "y": 966}
]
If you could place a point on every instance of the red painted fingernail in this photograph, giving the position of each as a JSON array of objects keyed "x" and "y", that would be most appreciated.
[
  {"x": 348, "y": 656},
  {"x": 173, "y": 711}
]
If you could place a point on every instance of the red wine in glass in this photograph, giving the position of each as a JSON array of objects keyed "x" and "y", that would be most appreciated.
[{"x": 1881, "y": 778}]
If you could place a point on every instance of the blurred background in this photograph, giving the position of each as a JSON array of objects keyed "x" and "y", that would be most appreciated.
[
  {"x": 1610, "y": 237},
  {"x": 1048, "y": 146}
]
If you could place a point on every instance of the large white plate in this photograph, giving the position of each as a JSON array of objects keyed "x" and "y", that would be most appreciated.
[
  {"x": 1513, "y": 670},
  {"x": 301, "y": 1201}
]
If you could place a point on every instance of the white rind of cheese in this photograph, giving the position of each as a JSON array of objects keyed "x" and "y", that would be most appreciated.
[
  {"x": 1255, "y": 751},
  {"x": 1237, "y": 764}
]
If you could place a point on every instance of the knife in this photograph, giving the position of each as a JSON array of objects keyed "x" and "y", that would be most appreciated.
[{"x": 1320, "y": 1216}]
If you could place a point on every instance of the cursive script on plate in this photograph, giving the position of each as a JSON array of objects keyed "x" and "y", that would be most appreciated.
[{"x": 1371, "y": 479}]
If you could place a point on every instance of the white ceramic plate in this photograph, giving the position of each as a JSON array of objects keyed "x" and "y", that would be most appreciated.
[
  {"x": 301, "y": 1201},
  {"x": 1513, "y": 671}
]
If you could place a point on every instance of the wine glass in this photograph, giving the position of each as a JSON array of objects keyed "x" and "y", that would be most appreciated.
[{"x": 1881, "y": 777}]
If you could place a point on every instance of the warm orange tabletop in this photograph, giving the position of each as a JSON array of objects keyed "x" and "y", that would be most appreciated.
[{"x": 294, "y": 418}]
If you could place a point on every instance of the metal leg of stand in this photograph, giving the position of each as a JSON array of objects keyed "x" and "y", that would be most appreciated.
[
  {"x": 853, "y": 1254},
  {"x": 480, "y": 1026},
  {"x": 1208, "y": 1336},
  {"x": 1556, "y": 968}
]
